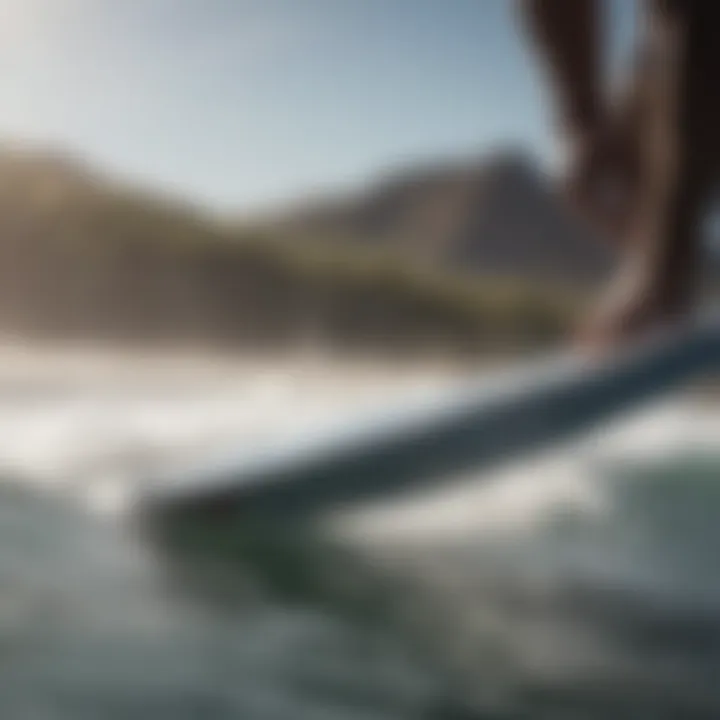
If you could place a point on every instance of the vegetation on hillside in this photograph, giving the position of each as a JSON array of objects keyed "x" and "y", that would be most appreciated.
[{"x": 83, "y": 257}]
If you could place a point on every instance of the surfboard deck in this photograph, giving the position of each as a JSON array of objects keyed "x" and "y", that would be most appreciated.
[{"x": 475, "y": 424}]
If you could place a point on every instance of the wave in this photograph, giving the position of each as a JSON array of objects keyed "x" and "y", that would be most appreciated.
[{"x": 580, "y": 583}]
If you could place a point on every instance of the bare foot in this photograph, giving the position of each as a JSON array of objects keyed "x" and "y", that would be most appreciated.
[{"x": 636, "y": 306}]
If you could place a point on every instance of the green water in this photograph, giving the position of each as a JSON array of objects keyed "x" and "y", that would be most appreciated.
[{"x": 584, "y": 614}]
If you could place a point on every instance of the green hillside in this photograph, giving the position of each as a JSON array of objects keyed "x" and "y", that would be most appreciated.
[{"x": 82, "y": 256}]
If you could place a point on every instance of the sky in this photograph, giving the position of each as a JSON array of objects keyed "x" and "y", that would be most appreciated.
[{"x": 242, "y": 104}]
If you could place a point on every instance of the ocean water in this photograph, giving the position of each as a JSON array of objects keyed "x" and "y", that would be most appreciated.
[{"x": 581, "y": 583}]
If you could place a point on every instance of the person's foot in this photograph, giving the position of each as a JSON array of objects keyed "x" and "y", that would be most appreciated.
[
  {"x": 637, "y": 304},
  {"x": 603, "y": 182}
]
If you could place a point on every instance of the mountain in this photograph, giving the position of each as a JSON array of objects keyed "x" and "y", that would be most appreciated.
[
  {"x": 85, "y": 256},
  {"x": 495, "y": 216}
]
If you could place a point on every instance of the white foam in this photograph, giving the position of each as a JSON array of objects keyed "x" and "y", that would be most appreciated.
[
  {"x": 91, "y": 424},
  {"x": 70, "y": 421}
]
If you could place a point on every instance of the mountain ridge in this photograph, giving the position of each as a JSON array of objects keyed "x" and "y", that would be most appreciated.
[{"x": 494, "y": 215}]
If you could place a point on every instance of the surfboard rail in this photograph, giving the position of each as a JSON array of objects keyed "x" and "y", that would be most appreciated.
[{"x": 476, "y": 424}]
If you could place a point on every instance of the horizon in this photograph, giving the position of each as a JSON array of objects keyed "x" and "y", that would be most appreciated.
[{"x": 243, "y": 105}]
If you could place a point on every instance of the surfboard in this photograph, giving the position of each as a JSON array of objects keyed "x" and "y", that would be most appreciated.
[{"x": 473, "y": 425}]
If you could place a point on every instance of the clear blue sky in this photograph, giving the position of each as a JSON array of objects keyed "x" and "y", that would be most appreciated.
[{"x": 244, "y": 102}]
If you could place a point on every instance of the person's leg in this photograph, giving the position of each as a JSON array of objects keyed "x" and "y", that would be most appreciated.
[
  {"x": 598, "y": 142},
  {"x": 568, "y": 35},
  {"x": 678, "y": 163}
]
